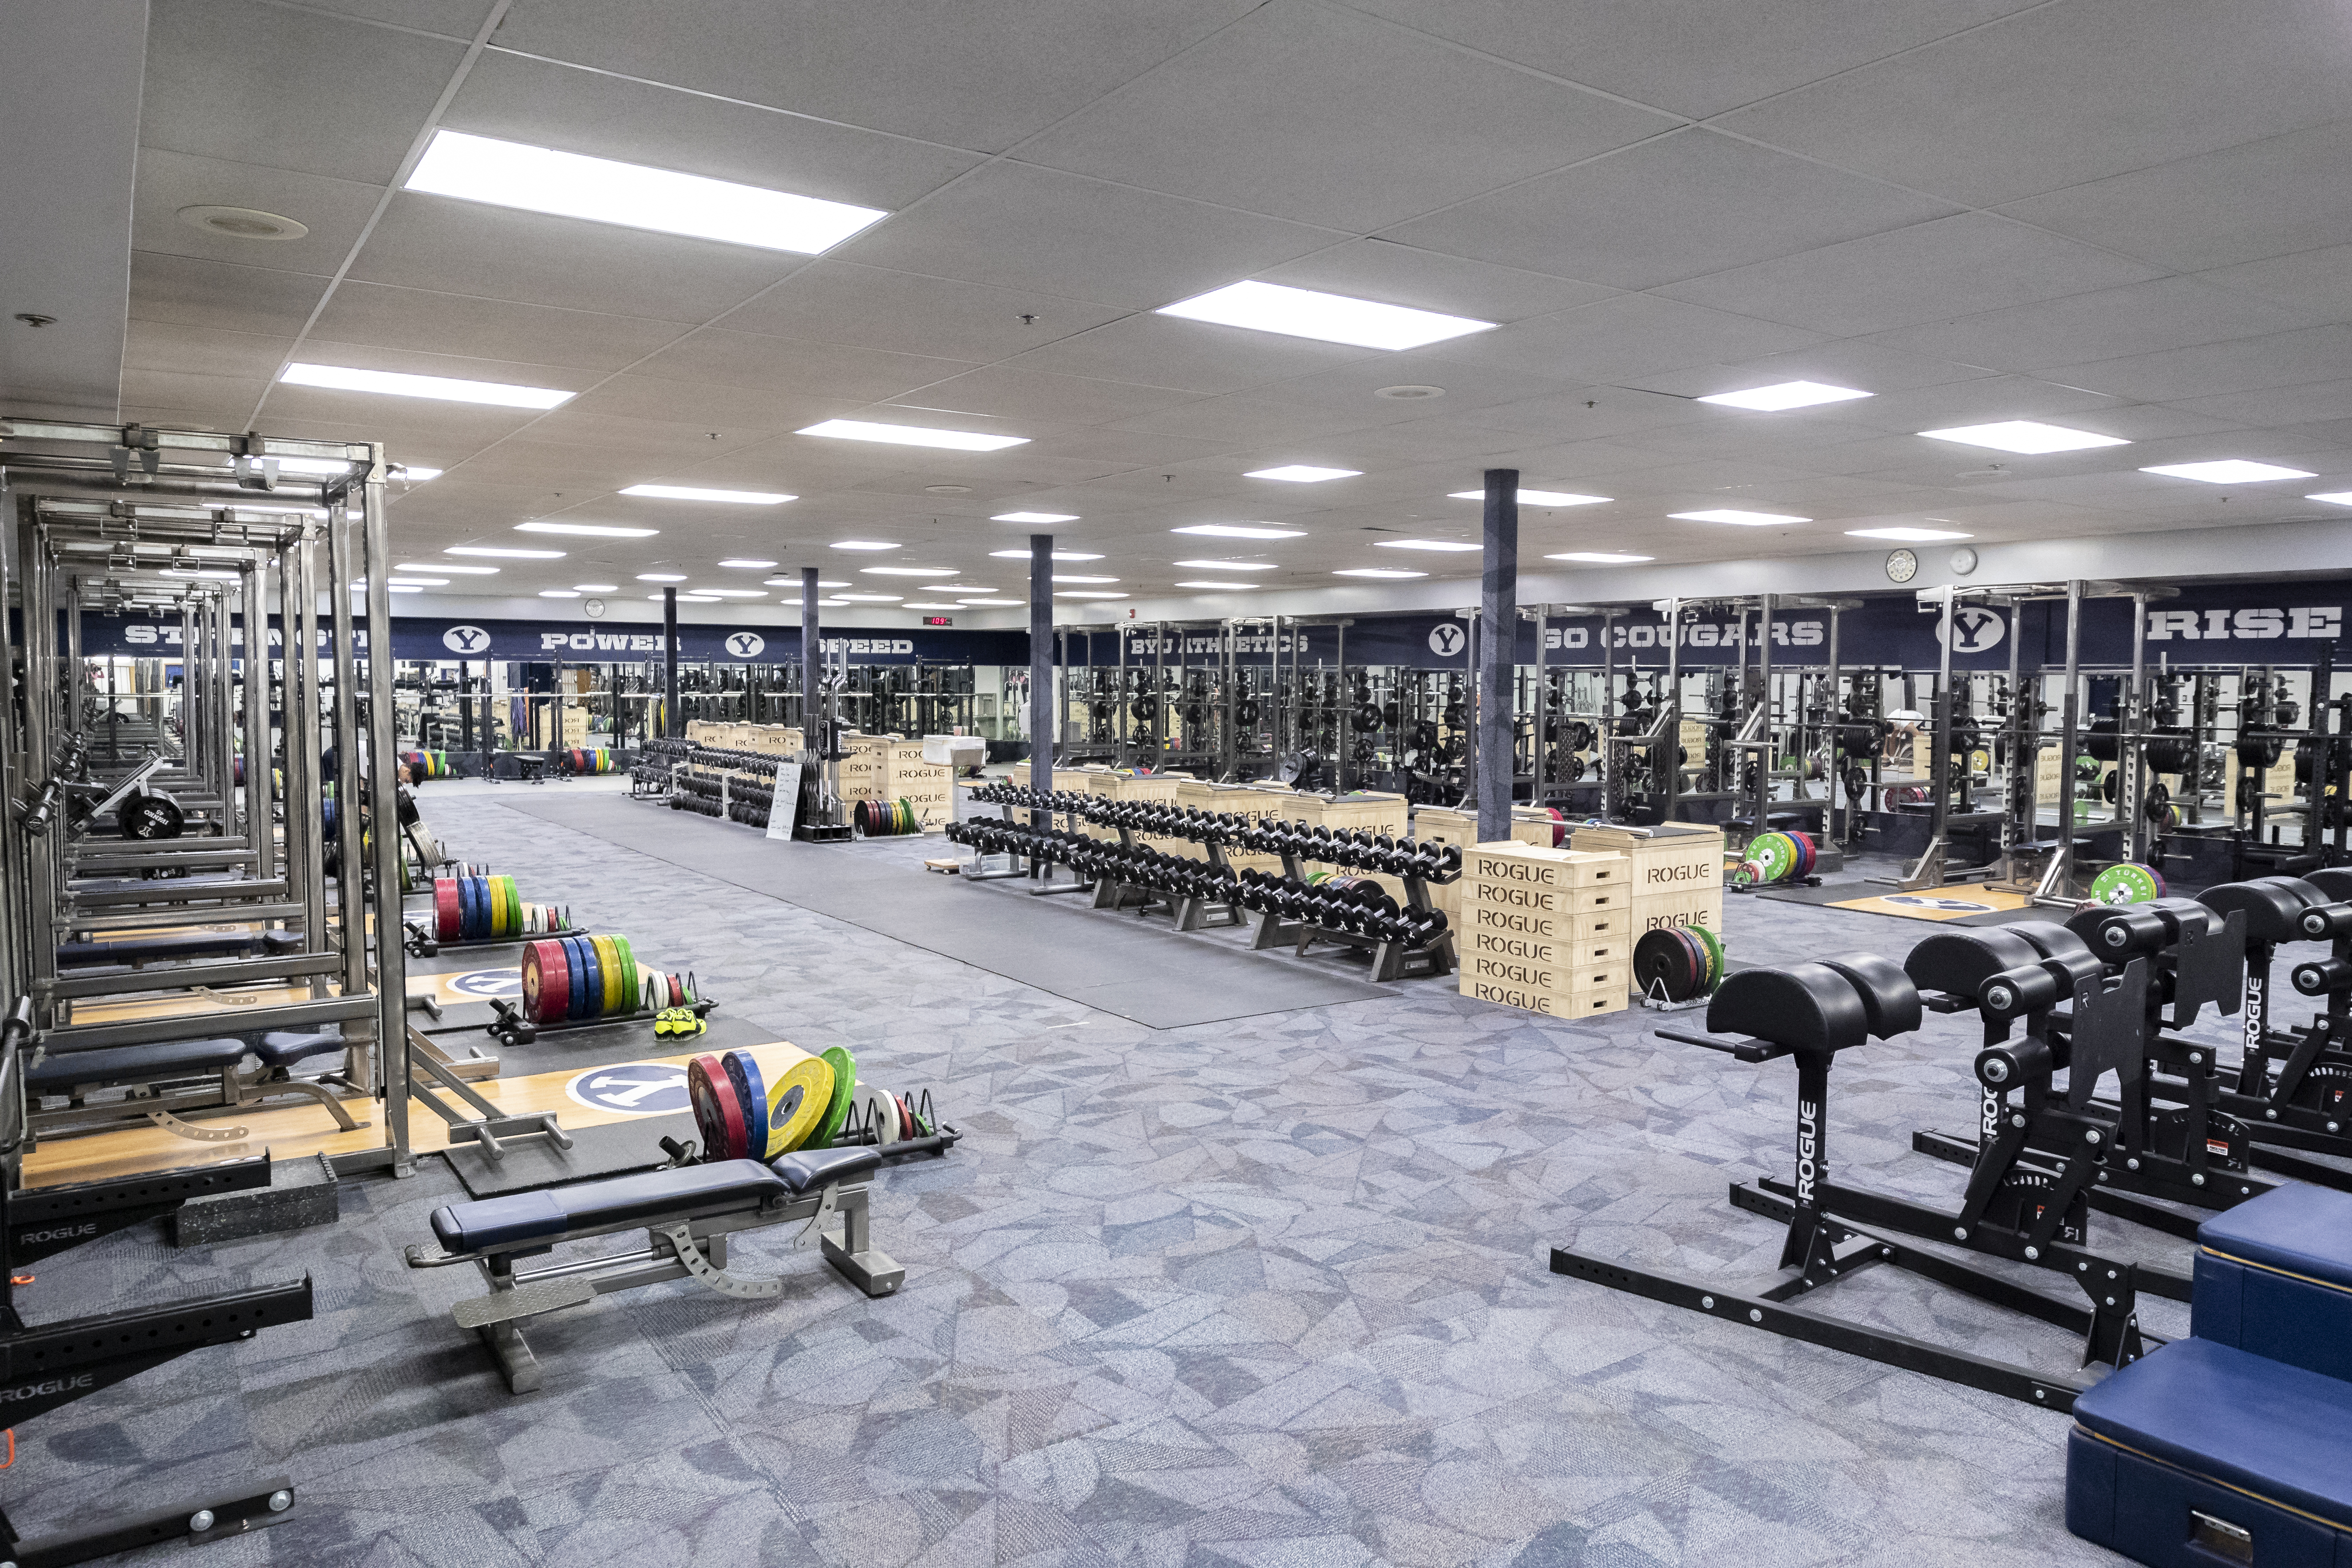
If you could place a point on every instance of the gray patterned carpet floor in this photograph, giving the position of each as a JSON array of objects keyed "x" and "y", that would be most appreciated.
[{"x": 1270, "y": 1293}]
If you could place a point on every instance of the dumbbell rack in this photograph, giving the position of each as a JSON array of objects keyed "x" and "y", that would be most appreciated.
[
  {"x": 1188, "y": 911},
  {"x": 1390, "y": 960}
]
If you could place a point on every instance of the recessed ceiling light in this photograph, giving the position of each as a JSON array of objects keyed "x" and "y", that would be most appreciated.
[
  {"x": 413, "y": 476},
  {"x": 834, "y": 603},
  {"x": 909, "y": 570},
  {"x": 862, "y": 544},
  {"x": 913, "y": 436},
  {"x": 1228, "y": 565},
  {"x": 1084, "y": 594},
  {"x": 794, "y": 583},
  {"x": 1909, "y": 535},
  {"x": 1304, "y": 473},
  {"x": 688, "y": 492},
  {"x": 500, "y": 553},
  {"x": 1784, "y": 394},
  {"x": 696, "y": 599},
  {"x": 447, "y": 389},
  {"x": 241, "y": 223},
  {"x": 1241, "y": 531},
  {"x": 2334, "y": 497},
  {"x": 1536, "y": 498},
  {"x": 1065, "y": 577},
  {"x": 1426, "y": 544},
  {"x": 661, "y": 576},
  {"x": 558, "y": 593},
  {"x": 1599, "y": 558},
  {"x": 322, "y": 467},
  {"x": 2027, "y": 436},
  {"x": 1326, "y": 317},
  {"x": 571, "y": 184},
  {"x": 1736, "y": 518},
  {"x": 1058, "y": 555},
  {"x": 407, "y": 589},
  {"x": 586, "y": 530},
  {"x": 870, "y": 598},
  {"x": 930, "y": 605},
  {"x": 1034, "y": 516},
  {"x": 730, "y": 593},
  {"x": 1233, "y": 587},
  {"x": 450, "y": 566},
  {"x": 749, "y": 565},
  {"x": 2228, "y": 472},
  {"x": 598, "y": 587},
  {"x": 1375, "y": 572},
  {"x": 418, "y": 582},
  {"x": 956, "y": 588},
  {"x": 994, "y": 604}
]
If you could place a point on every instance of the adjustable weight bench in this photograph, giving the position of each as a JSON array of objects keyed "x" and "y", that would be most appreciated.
[
  {"x": 686, "y": 1212},
  {"x": 152, "y": 1071}
]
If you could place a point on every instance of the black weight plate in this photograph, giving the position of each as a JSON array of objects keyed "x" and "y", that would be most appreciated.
[{"x": 1661, "y": 965}]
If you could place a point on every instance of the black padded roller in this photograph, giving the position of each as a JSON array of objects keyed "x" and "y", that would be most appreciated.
[
  {"x": 1809, "y": 1008},
  {"x": 1889, "y": 1000},
  {"x": 1960, "y": 961},
  {"x": 2272, "y": 906}
]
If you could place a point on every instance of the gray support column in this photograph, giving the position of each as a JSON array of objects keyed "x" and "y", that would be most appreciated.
[
  {"x": 812, "y": 659},
  {"x": 1042, "y": 725},
  {"x": 672, "y": 726},
  {"x": 1499, "y": 617}
]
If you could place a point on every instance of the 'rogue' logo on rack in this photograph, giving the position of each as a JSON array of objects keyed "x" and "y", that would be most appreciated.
[
  {"x": 54, "y": 1385},
  {"x": 1808, "y": 1120},
  {"x": 464, "y": 639},
  {"x": 58, "y": 1233},
  {"x": 746, "y": 645}
]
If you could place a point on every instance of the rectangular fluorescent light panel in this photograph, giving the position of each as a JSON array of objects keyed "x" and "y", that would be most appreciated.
[
  {"x": 446, "y": 566},
  {"x": 1739, "y": 519},
  {"x": 1599, "y": 558},
  {"x": 1909, "y": 535},
  {"x": 598, "y": 587},
  {"x": 418, "y": 582},
  {"x": 687, "y": 493},
  {"x": 749, "y": 565},
  {"x": 870, "y": 598},
  {"x": 1304, "y": 474},
  {"x": 501, "y": 554},
  {"x": 1233, "y": 587},
  {"x": 1034, "y": 516},
  {"x": 1326, "y": 317},
  {"x": 1065, "y": 577},
  {"x": 2027, "y": 436},
  {"x": 1375, "y": 572},
  {"x": 413, "y": 476},
  {"x": 447, "y": 389},
  {"x": 1227, "y": 565},
  {"x": 1535, "y": 498},
  {"x": 2228, "y": 471},
  {"x": 862, "y": 544},
  {"x": 661, "y": 576},
  {"x": 1783, "y": 396},
  {"x": 558, "y": 593},
  {"x": 1084, "y": 594},
  {"x": 1240, "y": 530},
  {"x": 1426, "y": 544},
  {"x": 571, "y": 184},
  {"x": 913, "y": 436},
  {"x": 1058, "y": 555},
  {"x": 586, "y": 530},
  {"x": 933, "y": 572},
  {"x": 994, "y": 604},
  {"x": 731, "y": 593},
  {"x": 794, "y": 583},
  {"x": 2334, "y": 497}
]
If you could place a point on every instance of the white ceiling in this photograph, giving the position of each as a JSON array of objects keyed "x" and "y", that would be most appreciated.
[{"x": 2123, "y": 214}]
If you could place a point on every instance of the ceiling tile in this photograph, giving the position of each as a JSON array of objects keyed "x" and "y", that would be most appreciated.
[
  {"x": 213, "y": 294},
  {"x": 729, "y": 410},
  {"x": 495, "y": 253},
  {"x": 1191, "y": 356},
  {"x": 1877, "y": 367},
  {"x": 835, "y": 302},
  {"x": 335, "y": 211},
  {"x": 835, "y": 370},
  {"x": 452, "y": 18},
  {"x": 426, "y": 322},
  {"x": 2057, "y": 95},
  {"x": 2273, "y": 408},
  {"x": 2319, "y": 281},
  {"x": 970, "y": 73},
  {"x": 208, "y": 402},
  {"x": 1931, "y": 271},
  {"x": 1678, "y": 206},
  {"x": 1245, "y": 419},
  {"x": 1697, "y": 58},
  {"x": 251, "y": 83},
  {"x": 1375, "y": 124},
  {"x": 2248, "y": 365},
  {"x": 548, "y": 104},
  {"x": 203, "y": 351},
  {"x": 1005, "y": 392},
  {"x": 1628, "y": 337},
  {"x": 1379, "y": 269},
  {"x": 1109, "y": 244},
  {"x": 2242, "y": 203},
  {"x": 366, "y": 416},
  {"x": 2106, "y": 323}
]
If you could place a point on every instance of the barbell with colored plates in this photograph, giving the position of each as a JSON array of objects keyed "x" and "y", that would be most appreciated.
[
  {"x": 742, "y": 1115},
  {"x": 580, "y": 979}
]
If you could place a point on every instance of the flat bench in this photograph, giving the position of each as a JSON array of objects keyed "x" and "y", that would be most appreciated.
[
  {"x": 686, "y": 1212},
  {"x": 143, "y": 949},
  {"x": 158, "y": 1075}
]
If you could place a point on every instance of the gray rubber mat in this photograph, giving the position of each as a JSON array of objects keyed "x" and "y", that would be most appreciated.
[
  {"x": 1146, "y": 973},
  {"x": 529, "y": 1164}
]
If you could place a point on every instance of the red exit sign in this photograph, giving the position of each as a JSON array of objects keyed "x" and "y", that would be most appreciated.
[{"x": 938, "y": 621}]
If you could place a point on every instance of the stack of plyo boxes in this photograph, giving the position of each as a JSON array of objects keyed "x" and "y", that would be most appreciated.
[{"x": 1544, "y": 929}]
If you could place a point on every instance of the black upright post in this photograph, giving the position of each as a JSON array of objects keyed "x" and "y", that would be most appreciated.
[
  {"x": 1498, "y": 615},
  {"x": 1041, "y": 667},
  {"x": 672, "y": 728},
  {"x": 812, "y": 657}
]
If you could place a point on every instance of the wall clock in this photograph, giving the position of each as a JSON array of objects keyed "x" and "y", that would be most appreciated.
[{"x": 1902, "y": 565}]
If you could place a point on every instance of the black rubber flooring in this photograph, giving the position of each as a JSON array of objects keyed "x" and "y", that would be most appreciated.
[{"x": 1142, "y": 971}]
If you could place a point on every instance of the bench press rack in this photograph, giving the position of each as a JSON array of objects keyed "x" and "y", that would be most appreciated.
[
  {"x": 2026, "y": 1211},
  {"x": 686, "y": 1210}
]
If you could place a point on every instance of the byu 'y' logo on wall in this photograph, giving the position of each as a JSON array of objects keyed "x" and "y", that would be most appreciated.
[
  {"x": 746, "y": 645},
  {"x": 1445, "y": 639},
  {"x": 466, "y": 640},
  {"x": 1974, "y": 628}
]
